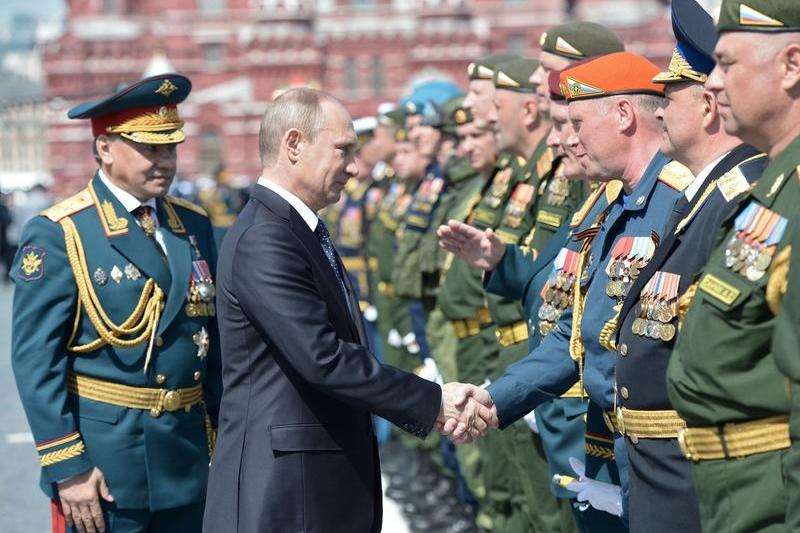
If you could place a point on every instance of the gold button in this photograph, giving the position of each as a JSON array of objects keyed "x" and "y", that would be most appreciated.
[
  {"x": 155, "y": 413},
  {"x": 160, "y": 379},
  {"x": 624, "y": 393},
  {"x": 623, "y": 349},
  {"x": 197, "y": 375},
  {"x": 634, "y": 438},
  {"x": 159, "y": 342}
]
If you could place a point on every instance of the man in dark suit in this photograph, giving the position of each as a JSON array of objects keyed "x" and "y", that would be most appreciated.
[{"x": 296, "y": 450}]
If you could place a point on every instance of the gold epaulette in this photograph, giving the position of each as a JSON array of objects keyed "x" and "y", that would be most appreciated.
[
  {"x": 676, "y": 175},
  {"x": 186, "y": 204},
  {"x": 613, "y": 188},
  {"x": 581, "y": 213},
  {"x": 68, "y": 207}
]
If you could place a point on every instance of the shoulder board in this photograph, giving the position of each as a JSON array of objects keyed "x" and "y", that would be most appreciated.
[
  {"x": 186, "y": 204},
  {"x": 70, "y": 206},
  {"x": 613, "y": 188},
  {"x": 676, "y": 176},
  {"x": 735, "y": 181},
  {"x": 581, "y": 213}
]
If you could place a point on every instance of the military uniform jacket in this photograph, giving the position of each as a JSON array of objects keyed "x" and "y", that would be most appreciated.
[
  {"x": 462, "y": 294},
  {"x": 148, "y": 462},
  {"x": 638, "y": 220},
  {"x": 351, "y": 235},
  {"x": 722, "y": 369},
  {"x": 643, "y": 354},
  {"x": 517, "y": 276},
  {"x": 407, "y": 272}
]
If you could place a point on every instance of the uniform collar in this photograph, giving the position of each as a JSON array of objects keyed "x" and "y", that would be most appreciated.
[
  {"x": 309, "y": 217},
  {"x": 128, "y": 201},
  {"x": 637, "y": 200},
  {"x": 692, "y": 189}
]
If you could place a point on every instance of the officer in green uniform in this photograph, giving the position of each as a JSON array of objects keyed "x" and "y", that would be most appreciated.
[
  {"x": 786, "y": 346},
  {"x": 722, "y": 378},
  {"x": 115, "y": 347}
]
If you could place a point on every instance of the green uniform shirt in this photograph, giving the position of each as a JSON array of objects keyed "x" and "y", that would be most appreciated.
[{"x": 722, "y": 369}]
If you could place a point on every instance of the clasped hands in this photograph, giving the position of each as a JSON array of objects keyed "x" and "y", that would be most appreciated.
[{"x": 467, "y": 412}]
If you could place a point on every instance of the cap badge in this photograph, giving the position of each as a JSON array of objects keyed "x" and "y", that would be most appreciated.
[
  {"x": 505, "y": 80},
  {"x": 461, "y": 116},
  {"x": 563, "y": 46},
  {"x": 577, "y": 89},
  {"x": 167, "y": 88},
  {"x": 750, "y": 17}
]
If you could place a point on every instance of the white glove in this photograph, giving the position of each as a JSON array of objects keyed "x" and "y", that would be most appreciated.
[
  {"x": 530, "y": 419},
  {"x": 394, "y": 339},
  {"x": 429, "y": 371},
  {"x": 600, "y": 495},
  {"x": 371, "y": 313},
  {"x": 410, "y": 342}
]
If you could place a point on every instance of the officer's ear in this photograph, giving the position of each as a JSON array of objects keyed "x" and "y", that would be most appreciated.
[
  {"x": 790, "y": 58},
  {"x": 531, "y": 109},
  {"x": 625, "y": 114},
  {"x": 291, "y": 143},
  {"x": 102, "y": 150}
]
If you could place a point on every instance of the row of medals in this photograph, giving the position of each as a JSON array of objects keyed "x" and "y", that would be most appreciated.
[
  {"x": 557, "y": 297},
  {"x": 746, "y": 259},
  {"x": 622, "y": 274},
  {"x": 655, "y": 319},
  {"x": 201, "y": 298}
]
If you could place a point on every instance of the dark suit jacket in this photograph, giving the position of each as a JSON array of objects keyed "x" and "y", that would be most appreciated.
[{"x": 296, "y": 451}]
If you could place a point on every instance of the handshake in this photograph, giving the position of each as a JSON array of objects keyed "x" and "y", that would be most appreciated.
[{"x": 467, "y": 412}]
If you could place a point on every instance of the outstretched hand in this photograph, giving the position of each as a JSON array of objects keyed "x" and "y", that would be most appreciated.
[
  {"x": 481, "y": 249},
  {"x": 467, "y": 412}
]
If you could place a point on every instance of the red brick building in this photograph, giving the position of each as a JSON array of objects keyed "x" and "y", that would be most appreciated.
[{"x": 239, "y": 52}]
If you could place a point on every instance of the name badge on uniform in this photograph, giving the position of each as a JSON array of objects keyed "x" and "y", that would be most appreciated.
[
  {"x": 750, "y": 250},
  {"x": 628, "y": 257},
  {"x": 659, "y": 307},
  {"x": 557, "y": 292}
]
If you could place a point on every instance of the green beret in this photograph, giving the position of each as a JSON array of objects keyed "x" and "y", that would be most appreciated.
[
  {"x": 580, "y": 40},
  {"x": 454, "y": 114},
  {"x": 759, "y": 15},
  {"x": 484, "y": 67},
  {"x": 514, "y": 75}
]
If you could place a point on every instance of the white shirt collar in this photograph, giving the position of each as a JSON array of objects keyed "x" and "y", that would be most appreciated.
[
  {"x": 309, "y": 216},
  {"x": 128, "y": 201},
  {"x": 692, "y": 189}
]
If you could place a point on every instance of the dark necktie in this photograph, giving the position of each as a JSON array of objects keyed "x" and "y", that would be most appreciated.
[
  {"x": 330, "y": 253},
  {"x": 146, "y": 217}
]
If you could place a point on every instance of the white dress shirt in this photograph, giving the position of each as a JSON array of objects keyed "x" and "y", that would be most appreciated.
[
  {"x": 692, "y": 189},
  {"x": 131, "y": 203},
  {"x": 309, "y": 216}
]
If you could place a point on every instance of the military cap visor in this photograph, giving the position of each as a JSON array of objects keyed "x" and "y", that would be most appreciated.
[
  {"x": 144, "y": 112},
  {"x": 580, "y": 40},
  {"x": 759, "y": 15},
  {"x": 693, "y": 58},
  {"x": 514, "y": 75},
  {"x": 610, "y": 75}
]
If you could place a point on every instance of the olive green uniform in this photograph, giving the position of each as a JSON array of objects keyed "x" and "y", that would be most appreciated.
[{"x": 722, "y": 378}]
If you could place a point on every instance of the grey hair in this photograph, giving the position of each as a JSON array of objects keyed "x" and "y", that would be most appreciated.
[
  {"x": 646, "y": 104},
  {"x": 299, "y": 109}
]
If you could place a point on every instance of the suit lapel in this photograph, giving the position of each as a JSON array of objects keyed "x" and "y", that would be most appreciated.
[
  {"x": 125, "y": 235},
  {"x": 179, "y": 254}
]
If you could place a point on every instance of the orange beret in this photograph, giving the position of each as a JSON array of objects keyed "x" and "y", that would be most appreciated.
[{"x": 608, "y": 75}]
